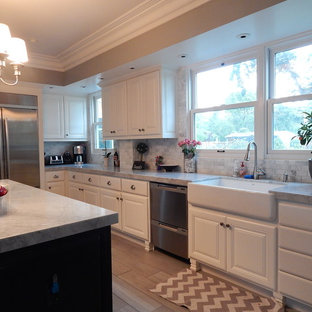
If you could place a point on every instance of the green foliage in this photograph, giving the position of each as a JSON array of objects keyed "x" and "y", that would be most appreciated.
[{"x": 305, "y": 131}]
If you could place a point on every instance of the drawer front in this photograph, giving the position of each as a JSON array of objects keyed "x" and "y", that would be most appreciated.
[
  {"x": 54, "y": 176},
  {"x": 295, "y": 263},
  {"x": 134, "y": 187},
  {"x": 56, "y": 187},
  {"x": 295, "y": 215},
  {"x": 295, "y": 240},
  {"x": 296, "y": 287},
  {"x": 75, "y": 176},
  {"x": 91, "y": 179},
  {"x": 110, "y": 183}
]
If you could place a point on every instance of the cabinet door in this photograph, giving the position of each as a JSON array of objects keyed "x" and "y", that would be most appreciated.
[
  {"x": 150, "y": 103},
  {"x": 207, "y": 237},
  {"x": 114, "y": 108},
  {"x": 75, "y": 191},
  {"x": 134, "y": 214},
  {"x": 53, "y": 116},
  {"x": 56, "y": 187},
  {"x": 111, "y": 200},
  {"x": 75, "y": 118},
  {"x": 252, "y": 251},
  {"x": 135, "y": 109},
  {"x": 91, "y": 195}
]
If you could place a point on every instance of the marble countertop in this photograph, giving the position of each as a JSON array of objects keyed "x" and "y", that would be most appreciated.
[
  {"x": 29, "y": 216},
  {"x": 296, "y": 192},
  {"x": 179, "y": 178}
]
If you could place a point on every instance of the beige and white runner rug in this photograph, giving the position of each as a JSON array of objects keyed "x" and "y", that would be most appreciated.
[{"x": 203, "y": 292}]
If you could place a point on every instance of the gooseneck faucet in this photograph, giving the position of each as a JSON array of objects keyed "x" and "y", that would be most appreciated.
[{"x": 256, "y": 171}]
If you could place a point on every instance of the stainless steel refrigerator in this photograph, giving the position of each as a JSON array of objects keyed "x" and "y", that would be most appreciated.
[{"x": 19, "y": 148}]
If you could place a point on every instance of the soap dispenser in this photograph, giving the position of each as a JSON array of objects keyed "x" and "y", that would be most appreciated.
[{"x": 242, "y": 169}]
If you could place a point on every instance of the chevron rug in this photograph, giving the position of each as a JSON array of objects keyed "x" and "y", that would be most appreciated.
[{"x": 202, "y": 292}]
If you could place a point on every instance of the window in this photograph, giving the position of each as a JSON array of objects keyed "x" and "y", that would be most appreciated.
[
  {"x": 98, "y": 142},
  {"x": 291, "y": 96},
  {"x": 223, "y": 111}
]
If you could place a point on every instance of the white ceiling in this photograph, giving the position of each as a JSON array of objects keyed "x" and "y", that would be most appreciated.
[{"x": 280, "y": 21}]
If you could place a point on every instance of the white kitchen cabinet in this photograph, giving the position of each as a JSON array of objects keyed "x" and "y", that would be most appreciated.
[
  {"x": 144, "y": 109},
  {"x": 85, "y": 193},
  {"x": 143, "y": 106},
  {"x": 114, "y": 108},
  {"x": 134, "y": 213},
  {"x": 295, "y": 251},
  {"x": 110, "y": 199},
  {"x": 64, "y": 118},
  {"x": 55, "y": 182},
  {"x": 242, "y": 247}
]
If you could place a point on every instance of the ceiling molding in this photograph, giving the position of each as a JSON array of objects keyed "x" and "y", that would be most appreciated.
[{"x": 142, "y": 18}]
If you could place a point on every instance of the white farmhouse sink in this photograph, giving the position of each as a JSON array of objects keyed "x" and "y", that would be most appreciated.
[{"x": 245, "y": 197}]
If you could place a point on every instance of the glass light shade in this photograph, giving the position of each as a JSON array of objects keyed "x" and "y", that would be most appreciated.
[
  {"x": 5, "y": 37},
  {"x": 17, "y": 51}
]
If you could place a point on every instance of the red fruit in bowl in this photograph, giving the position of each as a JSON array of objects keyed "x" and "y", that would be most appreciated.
[{"x": 3, "y": 191}]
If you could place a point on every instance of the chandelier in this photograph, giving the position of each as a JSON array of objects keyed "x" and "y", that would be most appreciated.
[{"x": 12, "y": 51}]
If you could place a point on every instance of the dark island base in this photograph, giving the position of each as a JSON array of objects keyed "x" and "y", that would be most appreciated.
[{"x": 67, "y": 274}]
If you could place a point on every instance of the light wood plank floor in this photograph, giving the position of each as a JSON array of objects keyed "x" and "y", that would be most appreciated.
[{"x": 135, "y": 271}]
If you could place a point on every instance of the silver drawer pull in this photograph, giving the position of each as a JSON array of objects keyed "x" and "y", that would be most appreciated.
[
  {"x": 90, "y": 180},
  {"x": 109, "y": 183},
  {"x": 80, "y": 189},
  {"x": 132, "y": 187},
  {"x": 50, "y": 187},
  {"x": 74, "y": 176},
  {"x": 56, "y": 176}
]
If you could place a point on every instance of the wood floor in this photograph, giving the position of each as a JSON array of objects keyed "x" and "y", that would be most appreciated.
[{"x": 135, "y": 271}]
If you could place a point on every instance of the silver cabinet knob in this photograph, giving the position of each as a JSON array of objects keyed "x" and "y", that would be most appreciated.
[
  {"x": 228, "y": 226},
  {"x": 90, "y": 180},
  {"x": 55, "y": 176},
  {"x": 74, "y": 176},
  {"x": 50, "y": 187},
  {"x": 132, "y": 187},
  {"x": 143, "y": 129},
  {"x": 109, "y": 183}
]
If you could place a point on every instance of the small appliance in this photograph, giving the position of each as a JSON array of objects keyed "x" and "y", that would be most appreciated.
[
  {"x": 67, "y": 157},
  {"x": 56, "y": 160},
  {"x": 79, "y": 154}
]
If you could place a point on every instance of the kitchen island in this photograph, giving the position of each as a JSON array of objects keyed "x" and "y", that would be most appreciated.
[{"x": 55, "y": 252}]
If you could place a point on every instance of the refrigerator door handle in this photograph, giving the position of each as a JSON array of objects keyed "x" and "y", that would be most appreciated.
[{"x": 6, "y": 148}]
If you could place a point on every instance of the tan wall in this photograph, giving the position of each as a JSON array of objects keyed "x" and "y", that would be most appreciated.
[{"x": 199, "y": 20}]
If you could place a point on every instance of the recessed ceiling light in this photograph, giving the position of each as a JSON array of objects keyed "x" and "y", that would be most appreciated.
[
  {"x": 243, "y": 35},
  {"x": 182, "y": 56}
]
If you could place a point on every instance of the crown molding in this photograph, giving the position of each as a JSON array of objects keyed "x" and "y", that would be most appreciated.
[
  {"x": 44, "y": 61},
  {"x": 142, "y": 18}
]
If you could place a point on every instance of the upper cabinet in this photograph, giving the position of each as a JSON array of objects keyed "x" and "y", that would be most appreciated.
[
  {"x": 64, "y": 118},
  {"x": 140, "y": 107}
]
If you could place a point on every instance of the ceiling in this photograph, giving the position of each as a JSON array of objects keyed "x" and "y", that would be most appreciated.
[{"x": 55, "y": 31}]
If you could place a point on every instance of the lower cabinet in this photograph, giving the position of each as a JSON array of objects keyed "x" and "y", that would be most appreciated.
[
  {"x": 56, "y": 187},
  {"x": 55, "y": 182},
  {"x": 134, "y": 214},
  {"x": 85, "y": 193},
  {"x": 246, "y": 248}
]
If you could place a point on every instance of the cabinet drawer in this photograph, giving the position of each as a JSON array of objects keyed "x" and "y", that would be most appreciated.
[
  {"x": 295, "y": 263},
  {"x": 91, "y": 179},
  {"x": 134, "y": 187},
  {"x": 54, "y": 176},
  {"x": 295, "y": 287},
  {"x": 295, "y": 240},
  {"x": 56, "y": 187},
  {"x": 110, "y": 183},
  {"x": 295, "y": 215},
  {"x": 75, "y": 176}
]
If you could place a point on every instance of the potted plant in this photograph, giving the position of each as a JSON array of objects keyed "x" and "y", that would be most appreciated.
[
  {"x": 304, "y": 134},
  {"x": 189, "y": 150}
]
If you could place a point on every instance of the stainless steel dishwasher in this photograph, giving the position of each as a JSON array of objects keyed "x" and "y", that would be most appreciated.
[{"x": 169, "y": 218}]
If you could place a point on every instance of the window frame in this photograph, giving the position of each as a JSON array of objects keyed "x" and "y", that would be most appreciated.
[
  {"x": 93, "y": 97},
  {"x": 285, "y": 45},
  {"x": 234, "y": 58}
]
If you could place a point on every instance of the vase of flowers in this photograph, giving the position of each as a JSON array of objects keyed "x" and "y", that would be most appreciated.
[
  {"x": 304, "y": 135},
  {"x": 189, "y": 150},
  {"x": 159, "y": 161}
]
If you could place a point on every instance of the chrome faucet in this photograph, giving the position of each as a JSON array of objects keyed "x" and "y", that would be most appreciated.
[{"x": 256, "y": 171}]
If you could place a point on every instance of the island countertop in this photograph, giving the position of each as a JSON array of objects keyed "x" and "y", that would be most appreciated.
[{"x": 29, "y": 216}]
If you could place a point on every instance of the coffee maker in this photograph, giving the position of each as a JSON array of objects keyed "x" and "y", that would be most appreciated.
[{"x": 79, "y": 154}]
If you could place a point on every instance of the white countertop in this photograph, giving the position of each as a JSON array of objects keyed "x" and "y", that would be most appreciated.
[{"x": 29, "y": 216}]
